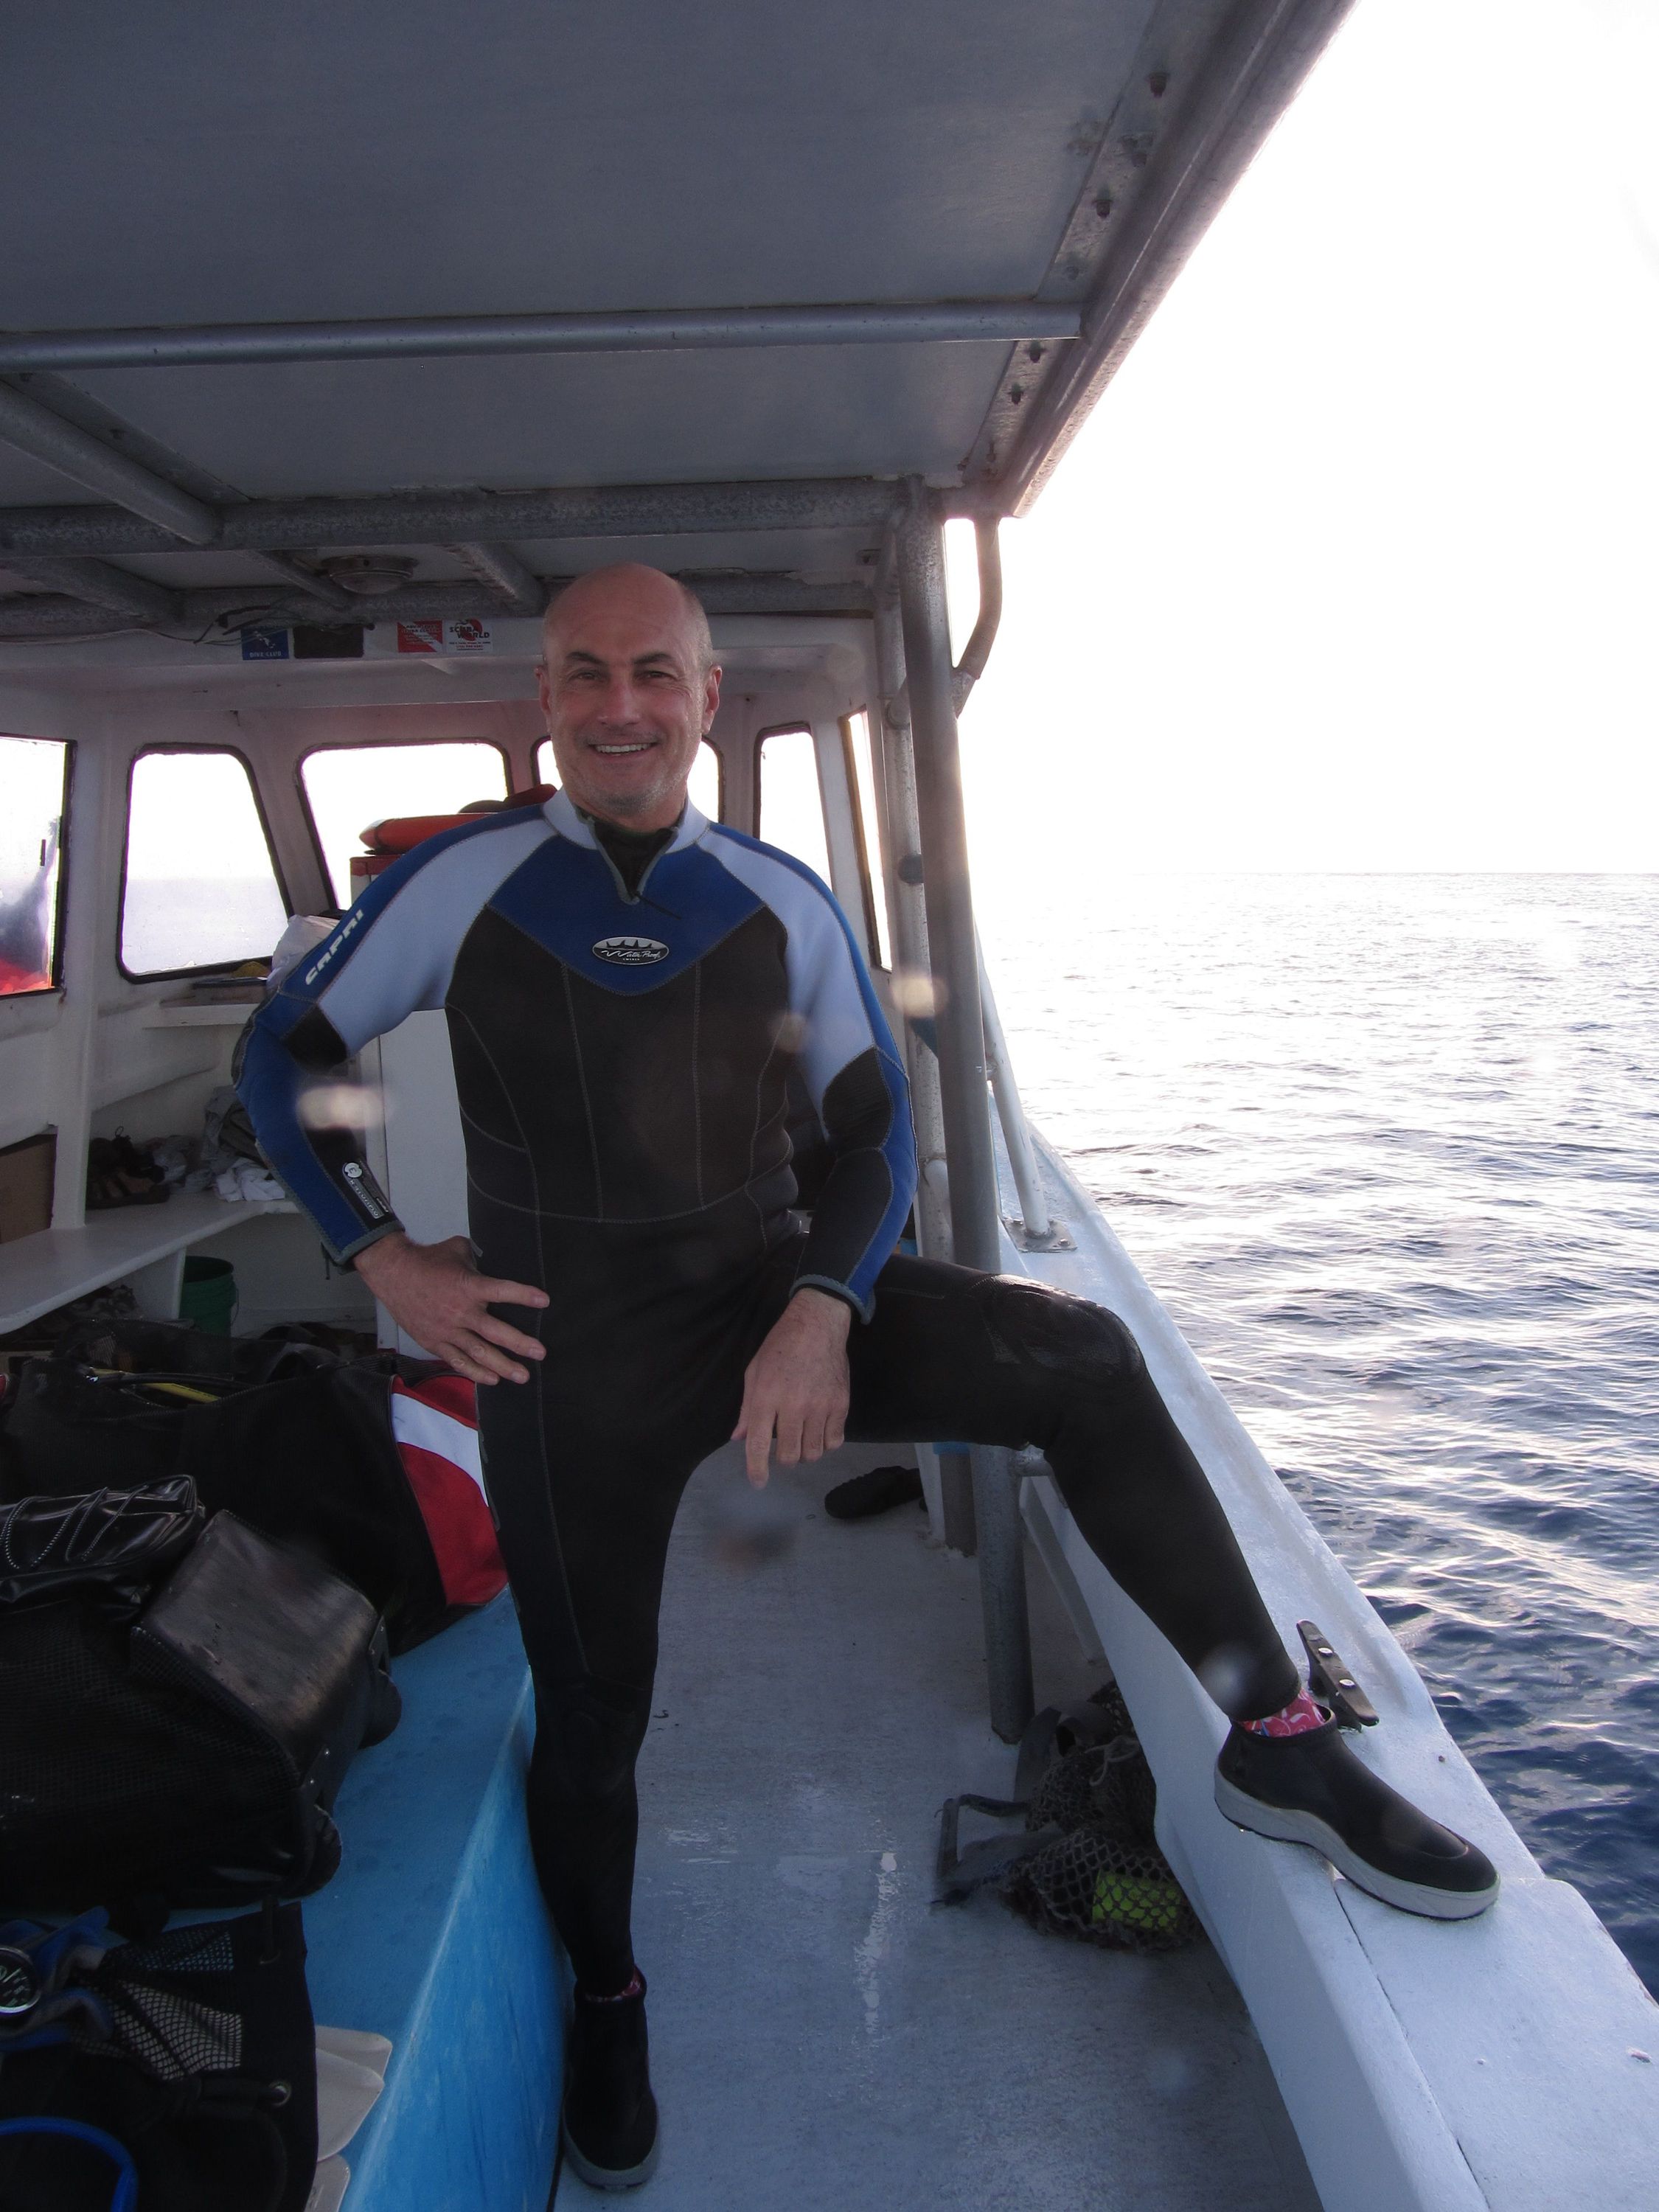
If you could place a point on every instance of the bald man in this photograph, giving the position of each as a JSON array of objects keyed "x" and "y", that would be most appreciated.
[{"x": 630, "y": 993}]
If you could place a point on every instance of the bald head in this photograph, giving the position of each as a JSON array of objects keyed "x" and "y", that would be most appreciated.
[
  {"x": 642, "y": 590},
  {"x": 631, "y": 690}
]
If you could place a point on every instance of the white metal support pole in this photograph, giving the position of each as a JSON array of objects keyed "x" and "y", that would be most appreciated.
[
  {"x": 91, "y": 858},
  {"x": 977, "y": 1227},
  {"x": 946, "y": 1481},
  {"x": 911, "y": 968}
]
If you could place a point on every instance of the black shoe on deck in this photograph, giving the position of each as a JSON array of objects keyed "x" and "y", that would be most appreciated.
[
  {"x": 1312, "y": 1788},
  {"x": 610, "y": 2117},
  {"x": 875, "y": 1491}
]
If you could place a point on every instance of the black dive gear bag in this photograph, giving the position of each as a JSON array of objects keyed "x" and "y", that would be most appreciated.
[{"x": 187, "y": 1754}]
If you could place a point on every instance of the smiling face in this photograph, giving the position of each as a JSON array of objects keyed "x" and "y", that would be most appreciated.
[{"x": 629, "y": 691}]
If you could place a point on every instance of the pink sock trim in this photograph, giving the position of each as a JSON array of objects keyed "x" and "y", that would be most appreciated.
[
  {"x": 635, "y": 1987},
  {"x": 1297, "y": 1718}
]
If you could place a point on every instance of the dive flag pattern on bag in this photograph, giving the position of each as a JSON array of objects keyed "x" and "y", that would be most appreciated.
[{"x": 436, "y": 1425}]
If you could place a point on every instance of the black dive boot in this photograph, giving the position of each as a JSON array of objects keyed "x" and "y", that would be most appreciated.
[
  {"x": 1312, "y": 1788},
  {"x": 610, "y": 2117}
]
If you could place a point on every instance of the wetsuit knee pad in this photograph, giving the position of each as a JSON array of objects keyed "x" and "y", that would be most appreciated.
[
  {"x": 588, "y": 1736},
  {"x": 1051, "y": 1333}
]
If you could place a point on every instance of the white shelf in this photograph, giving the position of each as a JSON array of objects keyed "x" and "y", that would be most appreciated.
[{"x": 46, "y": 1270}]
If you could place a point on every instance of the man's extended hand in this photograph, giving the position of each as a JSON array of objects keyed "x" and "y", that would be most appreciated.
[
  {"x": 435, "y": 1293},
  {"x": 796, "y": 1384}
]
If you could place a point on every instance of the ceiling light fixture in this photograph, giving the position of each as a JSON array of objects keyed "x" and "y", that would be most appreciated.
[{"x": 371, "y": 576}]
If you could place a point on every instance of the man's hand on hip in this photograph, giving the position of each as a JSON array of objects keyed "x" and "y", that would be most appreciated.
[
  {"x": 436, "y": 1295},
  {"x": 796, "y": 1385}
]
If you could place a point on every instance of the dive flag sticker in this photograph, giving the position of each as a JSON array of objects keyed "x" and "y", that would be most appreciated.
[{"x": 471, "y": 634}]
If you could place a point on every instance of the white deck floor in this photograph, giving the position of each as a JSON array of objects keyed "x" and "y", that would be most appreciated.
[{"x": 822, "y": 2039}]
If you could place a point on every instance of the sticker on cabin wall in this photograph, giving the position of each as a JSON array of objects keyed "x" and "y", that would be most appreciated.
[
  {"x": 470, "y": 635},
  {"x": 264, "y": 643}
]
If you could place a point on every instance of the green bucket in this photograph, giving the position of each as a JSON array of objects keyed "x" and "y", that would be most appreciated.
[{"x": 208, "y": 1299}]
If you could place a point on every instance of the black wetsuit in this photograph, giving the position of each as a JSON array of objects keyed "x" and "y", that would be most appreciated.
[{"x": 626, "y": 1028}]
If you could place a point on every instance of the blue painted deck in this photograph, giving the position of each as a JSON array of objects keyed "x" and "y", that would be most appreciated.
[{"x": 433, "y": 1934}]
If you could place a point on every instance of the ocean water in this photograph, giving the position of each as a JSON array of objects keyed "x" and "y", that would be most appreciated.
[{"x": 1387, "y": 1146}]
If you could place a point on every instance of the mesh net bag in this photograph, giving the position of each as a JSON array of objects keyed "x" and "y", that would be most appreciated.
[{"x": 1103, "y": 1880}]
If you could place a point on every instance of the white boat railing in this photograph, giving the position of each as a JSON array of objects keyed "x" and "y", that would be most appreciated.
[
  {"x": 1036, "y": 1229},
  {"x": 920, "y": 693}
]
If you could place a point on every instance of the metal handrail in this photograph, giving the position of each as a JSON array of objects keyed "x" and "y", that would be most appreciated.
[{"x": 1011, "y": 1113}]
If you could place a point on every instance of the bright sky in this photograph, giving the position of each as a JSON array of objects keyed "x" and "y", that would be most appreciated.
[{"x": 1357, "y": 563}]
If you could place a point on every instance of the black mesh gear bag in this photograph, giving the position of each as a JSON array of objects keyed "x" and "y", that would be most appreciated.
[{"x": 1104, "y": 1879}]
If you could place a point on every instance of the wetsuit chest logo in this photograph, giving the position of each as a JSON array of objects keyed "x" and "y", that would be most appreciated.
[{"x": 630, "y": 952}]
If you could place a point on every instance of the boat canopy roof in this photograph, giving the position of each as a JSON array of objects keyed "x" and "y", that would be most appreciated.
[{"x": 496, "y": 293}]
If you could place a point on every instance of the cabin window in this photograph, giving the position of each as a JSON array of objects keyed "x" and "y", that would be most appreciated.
[
  {"x": 866, "y": 826},
  {"x": 199, "y": 886},
  {"x": 349, "y": 788},
  {"x": 34, "y": 776},
  {"x": 707, "y": 789},
  {"x": 791, "y": 805}
]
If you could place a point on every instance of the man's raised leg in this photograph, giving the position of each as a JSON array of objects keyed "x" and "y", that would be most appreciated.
[{"x": 1000, "y": 1360}]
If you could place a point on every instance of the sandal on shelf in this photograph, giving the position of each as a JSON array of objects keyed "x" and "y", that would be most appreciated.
[{"x": 118, "y": 1174}]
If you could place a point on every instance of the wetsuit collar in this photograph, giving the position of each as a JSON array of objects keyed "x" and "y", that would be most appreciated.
[{"x": 566, "y": 819}]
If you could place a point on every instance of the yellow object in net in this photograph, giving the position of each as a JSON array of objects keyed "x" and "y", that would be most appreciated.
[{"x": 1135, "y": 1901}]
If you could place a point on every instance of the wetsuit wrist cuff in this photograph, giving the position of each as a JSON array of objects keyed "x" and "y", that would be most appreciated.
[
  {"x": 346, "y": 1255},
  {"x": 864, "y": 1308}
]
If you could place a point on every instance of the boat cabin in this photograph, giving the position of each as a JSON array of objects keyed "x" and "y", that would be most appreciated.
[{"x": 335, "y": 341}]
